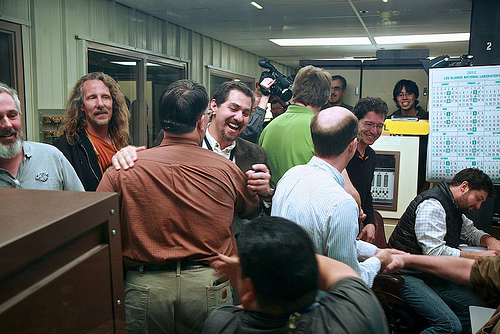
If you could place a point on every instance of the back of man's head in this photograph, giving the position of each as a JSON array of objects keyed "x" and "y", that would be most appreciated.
[
  {"x": 181, "y": 105},
  {"x": 312, "y": 86},
  {"x": 12, "y": 92},
  {"x": 332, "y": 130},
  {"x": 278, "y": 256},
  {"x": 222, "y": 92},
  {"x": 367, "y": 104},
  {"x": 477, "y": 180}
]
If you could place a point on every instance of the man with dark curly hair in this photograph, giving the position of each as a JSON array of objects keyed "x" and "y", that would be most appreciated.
[
  {"x": 371, "y": 113},
  {"x": 95, "y": 126}
]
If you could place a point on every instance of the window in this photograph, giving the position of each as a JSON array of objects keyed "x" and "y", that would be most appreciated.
[{"x": 11, "y": 61}]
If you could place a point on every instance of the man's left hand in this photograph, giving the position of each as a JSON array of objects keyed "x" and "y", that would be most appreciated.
[
  {"x": 259, "y": 179},
  {"x": 493, "y": 243},
  {"x": 367, "y": 233}
]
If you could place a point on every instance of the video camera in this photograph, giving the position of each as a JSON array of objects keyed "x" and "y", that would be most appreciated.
[{"x": 281, "y": 86}]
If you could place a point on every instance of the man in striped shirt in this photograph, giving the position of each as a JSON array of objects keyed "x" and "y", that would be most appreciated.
[{"x": 313, "y": 196}]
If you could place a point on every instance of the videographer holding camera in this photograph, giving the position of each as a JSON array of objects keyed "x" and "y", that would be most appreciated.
[
  {"x": 255, "y": 124},
  {"x": 287, "y": 139},
  {"x": 273, "y": 84}
]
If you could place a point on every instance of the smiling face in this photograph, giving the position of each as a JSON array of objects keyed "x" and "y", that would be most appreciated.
[
  {"x": 337, "y": 94},
  {"x": 370, "y": 127},
  {"x": 97, "y": 103},
  {"x": 406, "y": 100},
  {"x": 230, "y": 118},
  {"x": 10, "y": 127}
]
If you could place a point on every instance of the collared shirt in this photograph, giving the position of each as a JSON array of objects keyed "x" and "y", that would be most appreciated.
[
  {"x": 430, "y": 229},
  {"x": 43, "y": 167},
  {"x": 215, "y": 146},
  {"x": 178, "y": 202},
  {"x": 227, "y": 152},
  {"x": 287, "y": 140},
  {"x": 360, "y": 170},
  {"x": 313, "y": 196}
]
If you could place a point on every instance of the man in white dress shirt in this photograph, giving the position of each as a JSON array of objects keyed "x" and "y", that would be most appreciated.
[{"x": 313, "y": 196}]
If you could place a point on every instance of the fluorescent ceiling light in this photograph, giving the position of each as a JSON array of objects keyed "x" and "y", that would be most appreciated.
[
  {"x": 411, "y": 39},
  {"x": 321, "y": 41},
  {"x": 256, "y": 5},
  {"x": 382, "y": 40}
]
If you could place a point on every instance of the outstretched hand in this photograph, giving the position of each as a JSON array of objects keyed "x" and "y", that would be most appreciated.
[{"x": 126, "y": 157}]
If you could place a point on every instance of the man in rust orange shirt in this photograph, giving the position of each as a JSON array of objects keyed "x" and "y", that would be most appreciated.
[{"x": 177, "y": 205}]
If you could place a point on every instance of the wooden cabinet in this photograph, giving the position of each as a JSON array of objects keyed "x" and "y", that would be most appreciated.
[{"x": 60, "y": 262}]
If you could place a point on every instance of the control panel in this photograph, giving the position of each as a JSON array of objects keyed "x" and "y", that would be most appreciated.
[
  {"x": 50, "y": 124},
  {"x": 385, "y": 181}
]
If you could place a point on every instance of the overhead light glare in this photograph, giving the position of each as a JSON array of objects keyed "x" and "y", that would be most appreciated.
[
  {"x": 321, "y": 41},
  {"x": 412, "y": 39},
  {"x": 124, "y": 63},
  {"x": 256, "y": 5}
]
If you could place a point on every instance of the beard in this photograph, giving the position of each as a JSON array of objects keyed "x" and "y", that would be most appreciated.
[
  {"x": 463, "y": 206},
  {"x": 12, "y": 150}
]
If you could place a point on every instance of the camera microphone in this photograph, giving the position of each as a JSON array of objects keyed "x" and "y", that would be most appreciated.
[{"x": 266, "y": 63}]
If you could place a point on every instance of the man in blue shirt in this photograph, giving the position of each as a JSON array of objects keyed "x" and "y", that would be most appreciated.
[{"x": 313, "y": 195}]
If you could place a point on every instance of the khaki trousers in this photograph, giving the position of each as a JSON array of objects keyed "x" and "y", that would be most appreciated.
[{"x": 172, "y": 301}]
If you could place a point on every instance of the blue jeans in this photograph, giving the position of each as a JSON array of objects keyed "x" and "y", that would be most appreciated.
[{"x": 444, "y": 304}]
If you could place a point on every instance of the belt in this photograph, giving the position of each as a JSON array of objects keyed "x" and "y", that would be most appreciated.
[{"x": 185, "y": 265}]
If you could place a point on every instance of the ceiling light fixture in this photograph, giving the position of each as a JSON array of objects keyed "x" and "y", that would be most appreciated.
[
  {"x": 411, "y": 39},
  {"x": 256, "y": 5},
  {"x": 321, "y": 41},
  {"x": 381, "y": 40}
]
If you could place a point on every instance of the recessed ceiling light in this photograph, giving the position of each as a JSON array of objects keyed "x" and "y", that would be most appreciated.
[
  {"x": 256, "y": 5},
  {"x": 432, "y": 38},
  {"x": 321, "y": 41}
]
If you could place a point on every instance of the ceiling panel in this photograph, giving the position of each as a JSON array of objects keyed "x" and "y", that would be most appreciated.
[{"x": 238, "y": 23}]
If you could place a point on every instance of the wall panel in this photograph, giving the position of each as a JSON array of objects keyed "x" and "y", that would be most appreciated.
[
  {"x": 56, "y": 59},
  {"x": 19, "y": 9},
  {"x": 49, "y": 52}
]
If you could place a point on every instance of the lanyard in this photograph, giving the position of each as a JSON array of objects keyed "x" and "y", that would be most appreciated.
[{"x": 231, "y": 155}]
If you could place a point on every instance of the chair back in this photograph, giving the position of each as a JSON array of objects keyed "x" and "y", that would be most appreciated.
[{"x": 380, "y": 240}]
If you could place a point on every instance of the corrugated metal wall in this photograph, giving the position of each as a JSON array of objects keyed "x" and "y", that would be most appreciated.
[{"x": 55, "y": 59}]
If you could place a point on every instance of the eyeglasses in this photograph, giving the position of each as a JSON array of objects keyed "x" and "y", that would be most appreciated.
[
  {"x": 404, "y": 95},
  {"x": 379, "y": 127}
]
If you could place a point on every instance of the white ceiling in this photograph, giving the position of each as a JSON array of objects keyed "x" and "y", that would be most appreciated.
[{"x": 238, "y": 23}]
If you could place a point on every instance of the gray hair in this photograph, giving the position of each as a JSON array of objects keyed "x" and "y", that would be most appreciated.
[{"x": 12, "y": 92}]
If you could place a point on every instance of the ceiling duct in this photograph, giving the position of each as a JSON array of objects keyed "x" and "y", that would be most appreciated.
[{"x": 403, "y": 54}]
